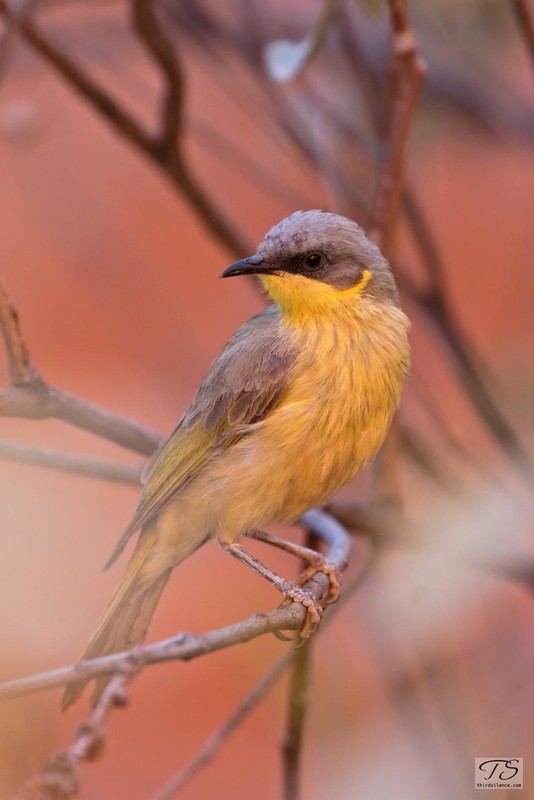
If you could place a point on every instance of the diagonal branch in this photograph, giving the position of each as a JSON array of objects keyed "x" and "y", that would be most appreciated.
[
  {"x": 214, "y": 743},
  {"x": 31, "y": 397},
  {"x": 185, "y": 647},
  {"x": 407, "y": 70},
  {"x": 49, "y": 458},
  {"x": 298, "y": 692},
  {"x": 21, "y": 369},
  {"x": 298, "y": 702},
  {"x": 40, "y": 401},
  {"x": 433, "y": 302},
  {"x": 160, "y": 48},
  {"x": 77, "y": 79},
  {"x": 59, "y": 777},
  {"x": 525, "y": 19},
  {"x": 161, "y": 149}
]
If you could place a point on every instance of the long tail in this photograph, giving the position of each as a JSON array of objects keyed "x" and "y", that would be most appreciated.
[{"x": 127, "y": 617}]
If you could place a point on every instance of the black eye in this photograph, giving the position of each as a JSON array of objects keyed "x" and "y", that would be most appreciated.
[{"x": 314, "y": 260}]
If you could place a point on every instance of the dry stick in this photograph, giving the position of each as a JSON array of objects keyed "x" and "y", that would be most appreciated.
[
  {"x": 297, "y": 707},
  {"x": 49, "y": 458},
  {"x": 185, "y": 647},
  {"x": 298, "y": 691},
  {"x": 422, "y": 453},
  {"x": 24, "y": 7},
  {"x": 407, "y": 71},
  {"x": 525, "y": 20},
  {"x": 159, "y": 148},
  {"x": 31, "y": 397},
  {"x": 454, "y": 442},
  {"x": 150, "y": 32},
  {"x": 217, "y": 739},
  {"x": 251, "y": 700},
  {"x": 293, "y": 739},
  {"x": 433, "y": 301},
  {"x": 21, "y": 368},
  {"x": 386, "y": 530},
  {"x": 40, "y": 401},
  {"x": 59, "y": 779}
]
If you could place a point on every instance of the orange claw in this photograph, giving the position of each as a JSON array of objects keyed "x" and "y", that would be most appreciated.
[
  {"x": 293, "y": 593},
  {"x": 330, "y": 571}
]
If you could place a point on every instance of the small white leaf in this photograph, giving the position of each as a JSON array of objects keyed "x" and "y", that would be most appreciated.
[{"x": 284, "y": 59}]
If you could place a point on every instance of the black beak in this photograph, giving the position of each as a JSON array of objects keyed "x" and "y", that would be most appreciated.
[{"x": 253, "y": 265}]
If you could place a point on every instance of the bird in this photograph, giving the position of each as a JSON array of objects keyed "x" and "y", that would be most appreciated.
[{"x": 297, "y": 403}]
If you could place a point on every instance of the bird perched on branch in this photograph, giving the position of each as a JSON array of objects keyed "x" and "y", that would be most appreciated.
[{"x": 297, "y": 403}]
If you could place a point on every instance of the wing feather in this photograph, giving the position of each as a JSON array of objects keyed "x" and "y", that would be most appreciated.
[{"x": 243, "y": 386}]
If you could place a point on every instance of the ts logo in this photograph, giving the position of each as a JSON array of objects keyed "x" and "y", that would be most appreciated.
[{"x": 499, "y": 769}]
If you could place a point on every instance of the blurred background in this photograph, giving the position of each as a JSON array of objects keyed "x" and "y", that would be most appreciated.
[{"x": 114, "y": 274}]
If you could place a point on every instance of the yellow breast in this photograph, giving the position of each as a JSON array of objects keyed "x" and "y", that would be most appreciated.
[{"x": 343, "y": 389}]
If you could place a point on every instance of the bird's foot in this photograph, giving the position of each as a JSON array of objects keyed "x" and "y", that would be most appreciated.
[
  {"x": 296, "y": 594},
  {"x": 322, "y": 565}
]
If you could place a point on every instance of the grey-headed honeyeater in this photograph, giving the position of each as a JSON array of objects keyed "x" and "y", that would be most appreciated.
[{"x": 298, "y": 401}]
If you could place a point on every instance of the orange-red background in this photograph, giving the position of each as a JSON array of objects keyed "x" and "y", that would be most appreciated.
[{"x": 116, "y": 283}]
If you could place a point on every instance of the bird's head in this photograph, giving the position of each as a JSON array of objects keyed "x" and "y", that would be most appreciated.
[{"x": 314, "y": 257}]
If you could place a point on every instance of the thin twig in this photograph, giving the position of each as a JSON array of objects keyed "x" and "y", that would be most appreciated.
[
  {"x": 59, "y": 778},
  {"x": 158, "y": 148},
  {"x": 150, "y": 32},
  {"x": 48, "y": 402},
  {"x": 434, "y": 303},
  {"x": 214, "y": 743},
  {"x": 23, "y": 9},
  {"x": 31, "y": 397},
  {"x": 387, "y": 529},
  {"x": 251, "y": 700},
  {"x": 185, "y": 647},
  {"x": 407, "y": 71},
  {"x": 525, "y": 20},
  {"x": 297, "y": 707},
  {"x": 49, "y": 458},
  {"x": 21, "y": 369}
]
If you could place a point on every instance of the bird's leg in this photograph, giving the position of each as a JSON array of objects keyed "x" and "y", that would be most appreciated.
[
  {"x": 291, "y": 591},
  {"x": 317, "y": 562}
]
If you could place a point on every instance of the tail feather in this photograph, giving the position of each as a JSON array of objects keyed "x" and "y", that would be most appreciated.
[
  {"x": 139, "y": 618},
  {"x": 126, "y": 618}
]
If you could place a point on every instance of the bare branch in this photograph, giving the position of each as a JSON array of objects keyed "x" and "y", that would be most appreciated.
[
  {"x": 23, "y": 9},
  {"x": 150, "y": 31},
  {"x": 182, "y": 647},
  {"x": 407, "y": 71},
  {"x": 158, "y": 148},
  {"x": 292, "y": 738},
  {"x": 433, "y": 301},
  {"x": 525, "y": 20},
  {"x": 298, "y": 703},
  {"x": 31, "y": 398},
  {"x": 389, "y": 529},
  {"x": 214, "y": 743},
  {"x": 59, "y": 777},
  {"x": 76, "y": 78},
  {"x": 46, "y": 402},
  {"x": 21, "y": 368},
  {"x": 185, "y": 647},
  {"x": 50, "y": 458}
]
